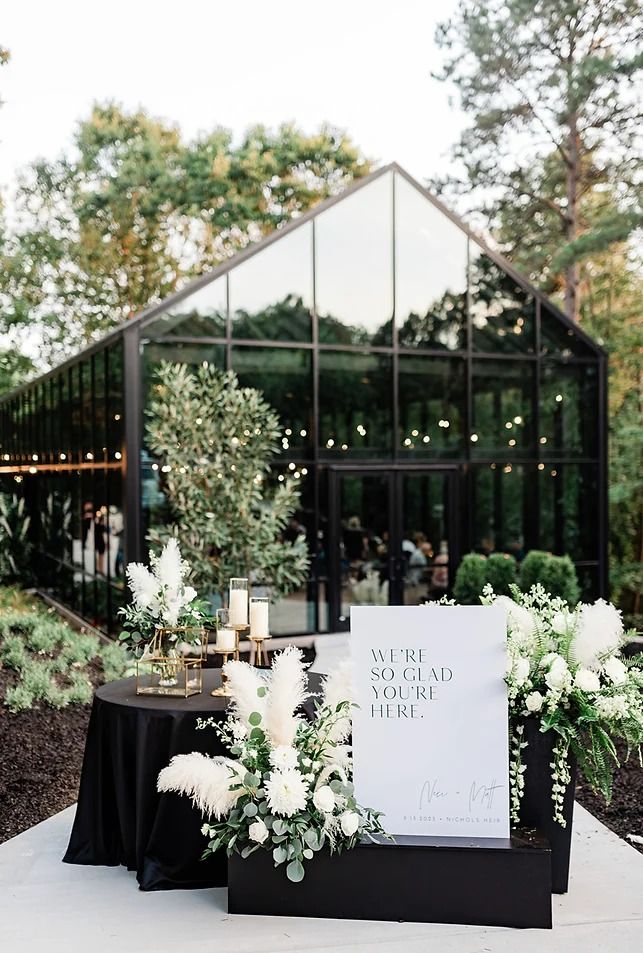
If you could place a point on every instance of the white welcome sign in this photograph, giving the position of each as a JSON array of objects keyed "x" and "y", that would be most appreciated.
[{"x": 430, "y": 739}]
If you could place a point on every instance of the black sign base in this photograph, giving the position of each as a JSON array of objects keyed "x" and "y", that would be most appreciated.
[{"x": 424, "y": 880}]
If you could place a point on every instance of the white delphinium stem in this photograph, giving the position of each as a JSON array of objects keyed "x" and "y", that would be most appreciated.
[
  {"x": 560, "y": 776},
  {"x": 516, "y": 771},
  {"x": 206, "y": 780},
  {"x": 244, "y": 682},
  {"x": 286, "y": 693}
]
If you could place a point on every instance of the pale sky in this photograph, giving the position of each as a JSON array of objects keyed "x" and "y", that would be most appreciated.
[{"x": 362, "y": 66}]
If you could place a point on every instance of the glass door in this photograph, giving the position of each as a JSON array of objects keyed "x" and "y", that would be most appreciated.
[{"x": 391, "y": 538}]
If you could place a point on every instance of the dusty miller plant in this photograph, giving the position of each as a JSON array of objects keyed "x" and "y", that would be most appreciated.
[{"x": 216, "y": 441}]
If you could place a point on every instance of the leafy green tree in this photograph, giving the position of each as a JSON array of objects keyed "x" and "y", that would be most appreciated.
[
  {"x": 216, "y": 441},
  {"x": 135, "y": 211},
  {"x": 550, "y": 89}
]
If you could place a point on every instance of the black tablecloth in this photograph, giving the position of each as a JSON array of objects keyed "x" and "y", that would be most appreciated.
[{"x": 120, "y": 817}]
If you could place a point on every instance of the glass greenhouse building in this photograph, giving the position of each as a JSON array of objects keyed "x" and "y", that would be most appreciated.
[{"x": 433, "y": 403}]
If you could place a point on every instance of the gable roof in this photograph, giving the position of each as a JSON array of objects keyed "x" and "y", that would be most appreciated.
[{"x": 145, "y": 317}]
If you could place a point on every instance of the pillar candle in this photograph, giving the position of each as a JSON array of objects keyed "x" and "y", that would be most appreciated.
[
  {"x": 259, "y": 628},
  {"x": 238, "y": 607},
  {"x": 226, "y": 640}
]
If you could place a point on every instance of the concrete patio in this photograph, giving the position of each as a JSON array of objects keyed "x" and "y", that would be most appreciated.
[{"x": 50, "y": 907}]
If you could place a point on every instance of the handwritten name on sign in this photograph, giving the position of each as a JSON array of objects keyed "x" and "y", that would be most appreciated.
[{"x": 430, "y": 734}]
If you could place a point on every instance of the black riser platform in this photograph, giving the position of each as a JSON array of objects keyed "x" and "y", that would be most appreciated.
[{"x": 488, "y": 886}]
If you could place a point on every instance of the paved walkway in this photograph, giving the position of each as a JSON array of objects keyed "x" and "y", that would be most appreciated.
[{"x": 50, "y": 907}]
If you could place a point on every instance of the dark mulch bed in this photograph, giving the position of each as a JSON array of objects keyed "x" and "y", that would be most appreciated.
[
  {"x": 624, "y": 814},
  {"x": 41, "y": 753}
]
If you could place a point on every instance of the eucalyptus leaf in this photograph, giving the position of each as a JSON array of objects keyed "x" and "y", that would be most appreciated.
[
  {"x": 254, "y": 718},
  {"x": 250, "y": 810},
  {"x": 295, "y": 871}
]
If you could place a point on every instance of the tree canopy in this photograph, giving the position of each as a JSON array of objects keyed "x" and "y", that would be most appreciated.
[
  {"x": 134, "y": 210},
  {"x": 550, "y": 89}
]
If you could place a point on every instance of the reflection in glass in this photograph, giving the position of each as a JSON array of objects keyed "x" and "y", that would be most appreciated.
[
  {"x": 425, "y": 540},
  {"x": 271, "y": 293},
  {"x": 501, "y": 509},
  {"x": 296, "y": 612},
  {"x": 364, "y": 540},
  {"x": 284, "y": 375},
  {"x": 355, "y": 404},
  {"x": 569, "y": 410},
  {"x": 354, "y": 267},
  {"x": 502, "y": 408},
  {"x": 430, "y": 273},
  {"x": 431, "y": 405},
  {"x": 558, "y": 340},
  {"x": 568, "y": 511},
  {"x": 201, "y": 314},
  {"x": 502, "y": 313}
]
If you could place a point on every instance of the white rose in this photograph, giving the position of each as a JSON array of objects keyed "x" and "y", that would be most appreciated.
[
  {"x": 349, "y": 822},
  {"x": 521, "y": 670},
  {"x": 558, "y": 677},
  {"x": 258, "y": 832},
  {"x": 189, "y": 594},
  {"x": 324, "y": 799},
  {"x": 520, "y": 621},
  {"x": 615, "y": 670},
  {"x": 561, "y": 622},
  {"x": 534, "y": 701},
  {"x": 587, "y": 680}
]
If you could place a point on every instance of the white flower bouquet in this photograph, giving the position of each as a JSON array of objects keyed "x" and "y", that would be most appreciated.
[
  {"x": 160, "y": 599},
  {"x": 287, "y": 787},
  {"x": 565, "y": 669}
]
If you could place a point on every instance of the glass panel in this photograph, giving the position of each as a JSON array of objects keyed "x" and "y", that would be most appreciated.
[
  {"x": 115, "y": 411},
  {"x": 558, "y": 340},
  {"x": 588, "y": 581},
  {"x": 502, "y": 509},
  {"x": 87, "y": 411},
  {"x": 431, "y": 406},
  {"x": 271, "y": 294},
  {"x": 569, "y": 409},
  {"x": 430, "y": 273},
  {"x": 76, "y": 413},
  {"x": 425, "y": 540},
  {"x": 295, "y": 613},
  {"x": 363, "y": 538},
  {"x": 355, "y": 404},
  {"x": 201, "y": 314},
  {"x": 502, "y": 409},
  {"x": 569, "y": 506},
  {"x": 502, "y": 313},
  {"x": 285, "y": 377},
  {"x": 354, "y": 267},
  {"x": 100, "y": 422},
  {"x": 156, "y": 352}
]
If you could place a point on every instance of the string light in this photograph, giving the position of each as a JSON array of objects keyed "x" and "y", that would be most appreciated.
[
  {"x": 302, "y": 433},
  {"x": 199, "y": 421},
  {"x": 118, "y": 455},
  {"x": 155, "y": 466},
  {"x": 517, "y": 420},
  {"x": 344, "y": 446},
  {"x": 541, "y": 466},
  {"x": 474, "y": 438},
  {"x": 543, "y": 439},
  {"x": 291, "y": 466},
  {"x": 509, "y": 425},
  {"x": 512, "y": 442},
  {"x": 426, "y": 438},
  {"x": 330, "y": 442},
  {"x": 559, "y": 397}
]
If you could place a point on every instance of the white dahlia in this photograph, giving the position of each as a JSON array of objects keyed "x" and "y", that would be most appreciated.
[
  {"x": 286, "y": 792},
  {"x": 587, "y": 680},
  {"x": 283, "y": 757}
]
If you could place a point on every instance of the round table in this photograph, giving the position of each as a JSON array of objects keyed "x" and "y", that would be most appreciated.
[{"x": 120, "y": 817}]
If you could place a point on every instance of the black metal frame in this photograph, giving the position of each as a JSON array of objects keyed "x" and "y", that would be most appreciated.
[{"x": 134, "y": 337}]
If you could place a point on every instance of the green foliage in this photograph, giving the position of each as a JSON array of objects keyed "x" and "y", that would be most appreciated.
[
  {"x": 51, "y": 663},
  {"x": 556, "y": 574},
  {"x": 216, "y": 441},
  {"x": 133, "y": 211},
  {"x": 531, "y": 568},
  {"x": 470, "y": 579},
  {"x": 15, "y": 547},
  {"x": 501, "y": 573}
]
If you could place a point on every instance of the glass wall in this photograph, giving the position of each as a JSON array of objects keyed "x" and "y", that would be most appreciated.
[
  {"x": 386, "y": 338},
  {"x": 66, "y": 458}
]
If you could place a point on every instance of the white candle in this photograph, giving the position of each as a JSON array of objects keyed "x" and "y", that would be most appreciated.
[
  {"x": 226, "y": 640},
  {"x": 238, "y": 607},
  {"x": 259, "y": 628}
]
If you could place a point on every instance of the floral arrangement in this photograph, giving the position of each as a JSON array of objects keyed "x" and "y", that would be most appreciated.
[
  {"x": 287, "y": 787},
  {"x": 564, "y": 668},
  {"x": 160, "y": 598}
]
